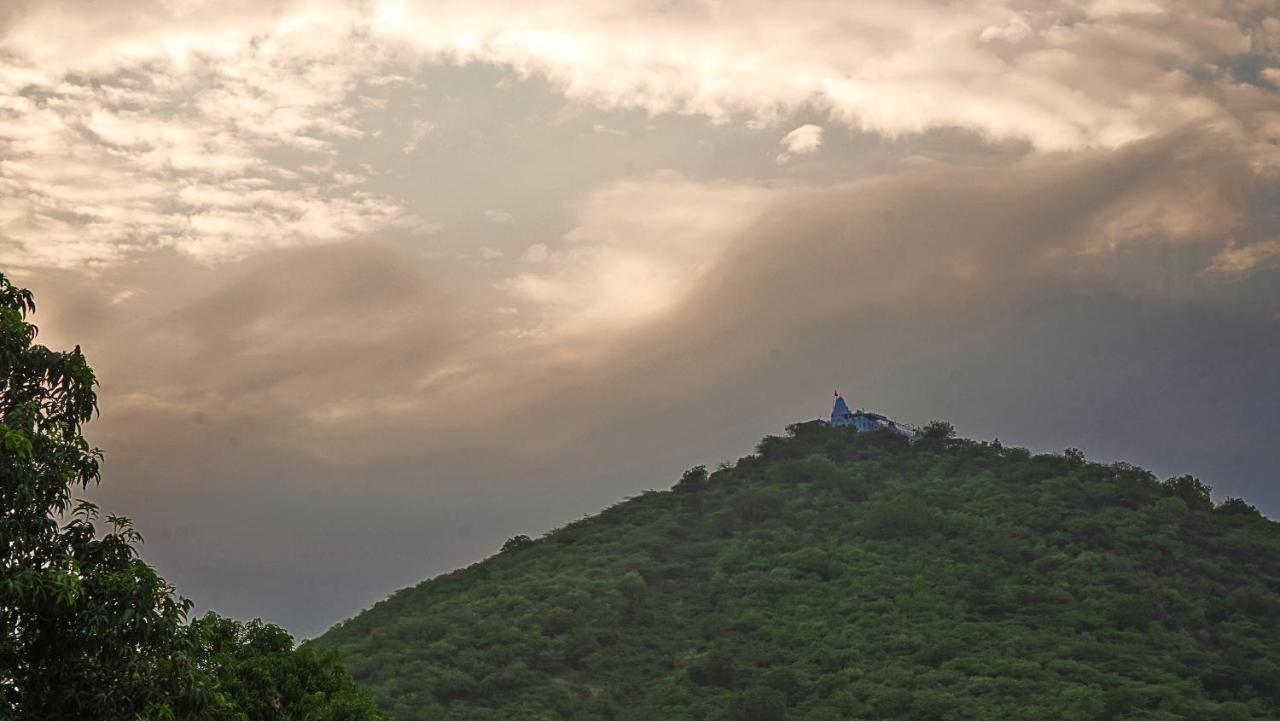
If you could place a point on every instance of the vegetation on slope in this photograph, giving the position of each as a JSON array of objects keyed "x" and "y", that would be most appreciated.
[{"x": 842, "y": 576}]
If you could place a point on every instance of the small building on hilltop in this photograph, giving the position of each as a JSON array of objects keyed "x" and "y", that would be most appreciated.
[{"x": 866, "y": 421}]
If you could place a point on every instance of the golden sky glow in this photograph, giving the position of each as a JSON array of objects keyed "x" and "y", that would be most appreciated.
[{"x": 448, "y": 271}]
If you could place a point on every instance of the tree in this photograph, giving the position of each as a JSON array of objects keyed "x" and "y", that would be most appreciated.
[
  {"x": 692, "y": 479},
  {"x": 1192, "y": 491},
  {"x": 634, "y": 591},
  {"x": 759, "y": 704},
  {"x": 516, "y": 542},
  {"x": 261, "y": 677},
  {"x": 715, "y": 668},
  {"x": 87, "y": 629},
  {"x": 938, "y": 430}
]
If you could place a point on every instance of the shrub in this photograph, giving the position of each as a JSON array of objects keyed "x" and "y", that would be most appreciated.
[
  {"x": 1194, "y": 493},
  {"x": 558, "y": 621},
  {"x": 760, "y": 504},
  {"x": 715, "y": 668},
  {"x": 693, "y": 479},
  {"x": 1130, "y": 612},
  {"x": 937, "y": 430},
  {"x": 759, "y": 704},
  {"x": 899, "y": 517},
  {"x": 515, "y": 543},
  {"x": 1236, "y": 507},
  {"x": 787, "y": 680}
]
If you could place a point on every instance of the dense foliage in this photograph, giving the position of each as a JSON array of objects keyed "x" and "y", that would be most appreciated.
[
  {"x": 842, "y": 576},
  {"x": 88, "y": 630},
  {"x": 260, "y": 676}
]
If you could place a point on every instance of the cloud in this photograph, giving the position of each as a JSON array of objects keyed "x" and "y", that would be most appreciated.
[
  {"x": 217, "y": 129},
  {"x": 1014, "y": 31},
  {"x": 803, "y": 140},
  {"x": 498, "y": 215},
  {"x": 699, "y": 278},
  {"x": 99, "y": 168},
  {"x": 675, "y": 323},
  {"x": 537, "y": 253},
  {"x": 1238, "y": 260},
  {"x": 1064, "y": 74},
  {"x": 419, "y": 129},
  {"x": 638, "y": 248}
]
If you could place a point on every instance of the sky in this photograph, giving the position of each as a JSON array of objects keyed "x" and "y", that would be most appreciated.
[{"x": 373, "y": 285}]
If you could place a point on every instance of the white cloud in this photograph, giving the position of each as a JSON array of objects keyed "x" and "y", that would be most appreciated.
[
  {"x": 1070, "y": 73},
  {"x": 418, "y": 130},
  {"x": 1016, "y": 30},
  {"x": 185, "y": 156},
  {"x": 1238, "y": 260},
  {"x": 536, "y": 253},
  {"x": 1104, "y": 8},
  {"x": 1067, "y": 74},
  {"x": 498, "y": 215},
  {"x": 803, "y": 140},
  {"x": 638, "y": 248},
  {"x": 131, "y": 127}
]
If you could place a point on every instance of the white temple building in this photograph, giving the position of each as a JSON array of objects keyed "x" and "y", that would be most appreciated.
[{"x": 866, "y": 421}]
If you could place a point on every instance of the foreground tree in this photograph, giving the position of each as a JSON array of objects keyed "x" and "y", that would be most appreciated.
[
  {"x": 87, "y": 629},
  {"x": 262, "y": 677}
]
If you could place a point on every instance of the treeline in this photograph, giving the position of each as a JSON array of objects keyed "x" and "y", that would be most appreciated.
[
  {"x": 834, "y": 575},
  {"x": 87, "y": 629}
]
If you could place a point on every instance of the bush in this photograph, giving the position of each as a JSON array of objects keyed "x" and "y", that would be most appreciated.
[
  {"x": 1194, "y": 493},
  {"x": 759, "y": 704},
  {"x": 787, "y": 680},
  {"x": 937, "y": 431},
  {"x": 760, "y": 504},
  {"x": 515, "y": 543},
  {"x": 813, "y": 561},
  {"x": 1237, "y": 507},
  {"x": 693, "y": 479},
  {"x": 899, "y": 517},
  {"x": 715, "y": 668},
  {"x": 1130, "y": 612},
  {"x": 634, "y": 591},
  {"x": 558, "y": 621}
]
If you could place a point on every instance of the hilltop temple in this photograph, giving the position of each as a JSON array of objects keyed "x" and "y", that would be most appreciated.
[{"x": 865, "y": 421}]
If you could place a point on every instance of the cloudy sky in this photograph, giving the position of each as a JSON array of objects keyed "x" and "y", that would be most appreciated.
[{"x": 373, "y": 285}]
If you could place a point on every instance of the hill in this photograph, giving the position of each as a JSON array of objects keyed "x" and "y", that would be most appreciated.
[{"x": 836, "y": 575}]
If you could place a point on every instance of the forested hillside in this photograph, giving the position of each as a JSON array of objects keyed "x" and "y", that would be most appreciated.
[{"x": 841, "y": 576}]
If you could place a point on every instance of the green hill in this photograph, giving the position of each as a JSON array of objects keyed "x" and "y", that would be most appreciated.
[{"x": 841, "y": 576}]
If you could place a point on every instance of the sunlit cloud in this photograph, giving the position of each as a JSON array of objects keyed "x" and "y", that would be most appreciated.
[
  {"x": 126, "y": 129},
  {"x": 637, "y": 249},
  {"x": 1237, "y": 260},
  {"x": 98, "y": 168},
  {"x": 803, "y": 140},
  {"x": 1046, "y": 73}
]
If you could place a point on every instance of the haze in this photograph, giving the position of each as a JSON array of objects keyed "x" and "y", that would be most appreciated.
[{"x": 372, "y": 286}]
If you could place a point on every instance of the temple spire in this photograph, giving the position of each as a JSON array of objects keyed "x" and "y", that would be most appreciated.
[{"x": 840, "y": 410}]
